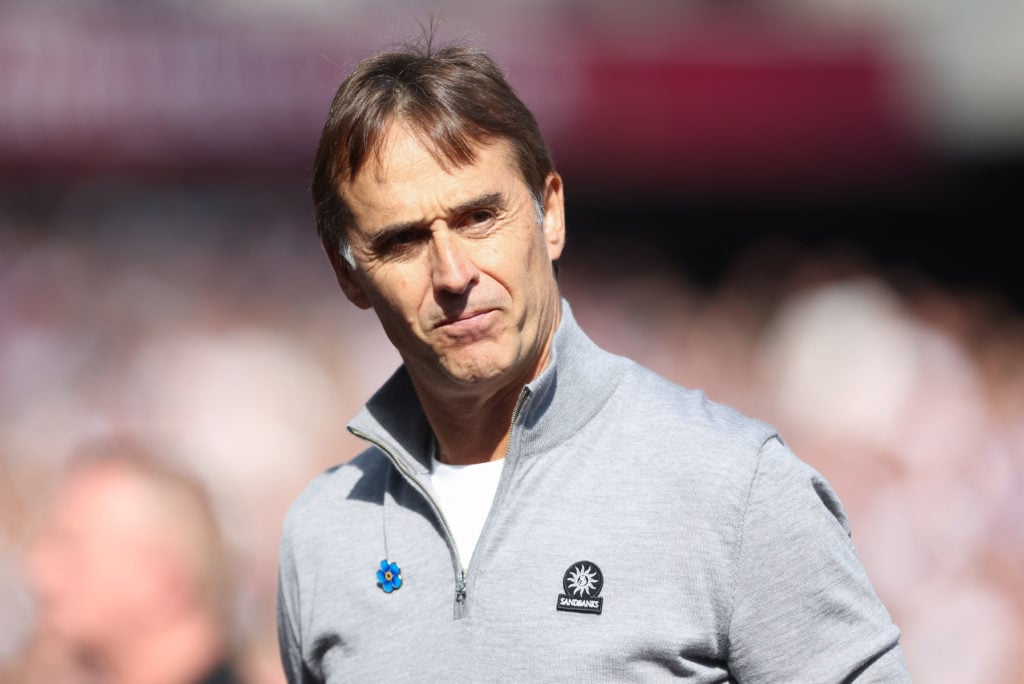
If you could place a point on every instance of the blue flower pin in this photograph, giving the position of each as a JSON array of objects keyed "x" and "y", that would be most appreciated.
[{"x": 389, "y": 577}]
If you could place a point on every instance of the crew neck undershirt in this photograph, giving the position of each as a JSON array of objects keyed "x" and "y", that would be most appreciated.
[{"x": 465, "y": 494}]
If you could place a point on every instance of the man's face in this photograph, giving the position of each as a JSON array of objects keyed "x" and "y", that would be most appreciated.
[
  {"x": 456, "y": 263},
  {"x": 89, "y": 567}
]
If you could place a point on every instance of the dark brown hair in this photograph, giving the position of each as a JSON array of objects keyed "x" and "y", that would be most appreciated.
[{"x": 454, "y": 97}]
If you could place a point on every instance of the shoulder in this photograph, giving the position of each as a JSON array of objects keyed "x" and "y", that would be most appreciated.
[
  {"x": 338, "y": 492},
  {"x": 655, "y": 438},
  {"x": 675, "y": 414}
]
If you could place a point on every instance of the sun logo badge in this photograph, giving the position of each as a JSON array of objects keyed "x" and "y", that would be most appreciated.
[{"x": 582, "y": 583}]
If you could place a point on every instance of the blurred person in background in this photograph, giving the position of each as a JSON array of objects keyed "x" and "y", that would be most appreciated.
[
  {"x": 130, "y": 572},
  {"x": 530, "y": 506}
]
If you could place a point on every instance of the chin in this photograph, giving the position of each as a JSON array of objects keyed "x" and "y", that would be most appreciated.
[
  {"x": 473, "y": 374},
  {"x": 477, "y": 365},
  {"x": 473, "y": 378}
]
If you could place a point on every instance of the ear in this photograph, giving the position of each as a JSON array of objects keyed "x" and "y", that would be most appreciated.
[
  {"x": 554, "y": 216},
  {"x": 347, "y": 278}
]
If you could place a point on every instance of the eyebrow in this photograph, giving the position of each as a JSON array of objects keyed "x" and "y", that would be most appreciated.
[{"x": 489, "y": 199}]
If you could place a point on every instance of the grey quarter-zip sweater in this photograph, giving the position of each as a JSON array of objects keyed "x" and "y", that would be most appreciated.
[{"x": 639, "y": 532}]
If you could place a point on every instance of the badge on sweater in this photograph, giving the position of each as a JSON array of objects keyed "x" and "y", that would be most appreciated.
[
  {"x": 582, "y": 583},
  {"x": 389, "y": 576}
]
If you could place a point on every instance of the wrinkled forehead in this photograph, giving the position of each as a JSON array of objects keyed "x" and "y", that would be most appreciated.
[
  {"x": 410, "y": 183},
  {"x": 450, "y": 147},
  {"x": 406, "y": 157}
]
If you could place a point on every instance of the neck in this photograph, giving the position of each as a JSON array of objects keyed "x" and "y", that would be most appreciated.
[
  {"x": 474, "y": 425},
  {"x": 473, "y": 429}
]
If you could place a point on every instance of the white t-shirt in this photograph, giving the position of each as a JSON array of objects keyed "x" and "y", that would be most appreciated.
[{"x": 465, "y": 494}]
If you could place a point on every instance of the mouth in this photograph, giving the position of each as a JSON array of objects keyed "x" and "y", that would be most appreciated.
[{"x": 465, "y": 319}]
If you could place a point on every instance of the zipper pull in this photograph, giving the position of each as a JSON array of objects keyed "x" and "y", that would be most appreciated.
[{"x": 460, "y": 594}]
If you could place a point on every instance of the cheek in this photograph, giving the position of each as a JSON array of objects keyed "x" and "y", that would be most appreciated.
[
  {"x": 386, "y": 288},
  {"x": 511, "y": 262},
  {"x": 398, "y": 298},
  {"x": 534, "y": 268},
  {"x": 408, "y": 295}
]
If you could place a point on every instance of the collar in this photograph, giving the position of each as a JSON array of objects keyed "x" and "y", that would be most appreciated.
[{"x": 579, "y": 379}]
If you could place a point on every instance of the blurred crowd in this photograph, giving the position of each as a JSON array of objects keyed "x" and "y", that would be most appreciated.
[
  {"x": 210, "y": 326},
  {"x": 205, "y": 327}
]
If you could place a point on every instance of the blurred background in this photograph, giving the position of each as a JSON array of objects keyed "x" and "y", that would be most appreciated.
[{"x": 805, "y": 208}]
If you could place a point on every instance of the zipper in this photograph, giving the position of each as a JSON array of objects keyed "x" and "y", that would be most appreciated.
[
  {"x": 460, "y": 585},
  {"x": 460, "y": 594},
  {"x": 460, "y": 574},
  {"x": 515, "y": 416},
  {"x": 460, "y": 571}
]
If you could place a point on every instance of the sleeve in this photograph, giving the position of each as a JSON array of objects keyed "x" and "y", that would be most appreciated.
[
  {"x": 803, "y": 609},
  {"x": 295, "y": 669}
]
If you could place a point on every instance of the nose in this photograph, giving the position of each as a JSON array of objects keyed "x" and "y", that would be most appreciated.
[{"x": 452, "y": 268}]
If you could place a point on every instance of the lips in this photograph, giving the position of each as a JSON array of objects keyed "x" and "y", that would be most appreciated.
[
  {"x": 469, "y": 326},
  {"x": 464, "y": 318}
]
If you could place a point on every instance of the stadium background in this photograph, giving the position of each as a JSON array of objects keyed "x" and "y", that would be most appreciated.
[{"x": 807, "y": 209}]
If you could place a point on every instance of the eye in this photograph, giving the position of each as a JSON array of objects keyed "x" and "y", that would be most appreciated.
[
  {"x": 397, "y": 243},
  {"x": 481, "y": 216},
  {"x": 404, "y": 237},
  {"x": 477, "y": 220}
]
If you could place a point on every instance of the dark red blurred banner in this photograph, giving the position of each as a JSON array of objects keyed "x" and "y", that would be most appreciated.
[{"x": 732, "y": 99}]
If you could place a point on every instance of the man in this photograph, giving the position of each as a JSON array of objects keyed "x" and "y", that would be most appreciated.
[
  {"x": 531, "y": 507},
  {"x": 130, "y": 572}
]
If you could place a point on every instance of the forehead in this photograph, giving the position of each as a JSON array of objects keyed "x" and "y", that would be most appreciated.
[{"x": 407, "y": 177}]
